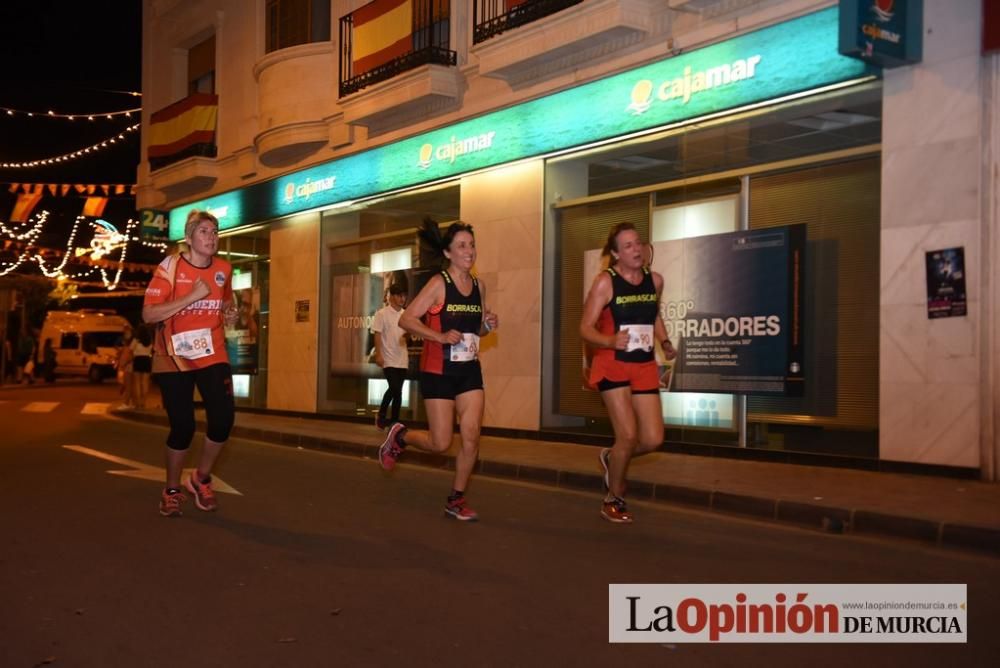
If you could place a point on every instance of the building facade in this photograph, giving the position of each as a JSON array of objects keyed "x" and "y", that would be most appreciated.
[{"x": 322, "y": 133}]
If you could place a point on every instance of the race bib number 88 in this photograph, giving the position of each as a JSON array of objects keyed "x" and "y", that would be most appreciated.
[{"x": 192, "y": 345}]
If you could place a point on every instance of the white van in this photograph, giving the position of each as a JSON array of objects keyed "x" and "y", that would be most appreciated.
[{"x": 86, "y": 342}]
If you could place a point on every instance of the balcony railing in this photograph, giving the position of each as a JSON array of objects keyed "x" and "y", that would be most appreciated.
[
  {"x": 365, "y": 60},
  {"x": 492, "y": 17}
]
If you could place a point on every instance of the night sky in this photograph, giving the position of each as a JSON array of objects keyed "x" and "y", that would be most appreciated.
[
  {"x": 70, "y": 57},
  {"x": 75, "y": 58}
]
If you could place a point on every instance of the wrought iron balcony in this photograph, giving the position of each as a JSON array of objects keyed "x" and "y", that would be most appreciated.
[
  {"x": 363, "y": 63},
  {"x": 492, "y": 17}
]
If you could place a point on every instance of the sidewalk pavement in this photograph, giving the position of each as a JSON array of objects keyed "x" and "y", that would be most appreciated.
[{"x": 932, "y": 510}]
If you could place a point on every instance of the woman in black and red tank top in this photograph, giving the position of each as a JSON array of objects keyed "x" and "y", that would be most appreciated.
[
  {"x": 450, "y": 315},
  {"x": 458, "y": 312},
  {"x": 621, "y": 320}
]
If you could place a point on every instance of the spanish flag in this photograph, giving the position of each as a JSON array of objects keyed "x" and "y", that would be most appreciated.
[
  {"x": 25, "y": 204},
  {"x": 382, "y": 32},
  {"x": 94, "y": 206},
  {"x": 183, "y": 129}
]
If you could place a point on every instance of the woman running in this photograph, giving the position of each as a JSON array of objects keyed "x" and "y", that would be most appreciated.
[
  {"x": 190, "y": 299},
  {"x": 621, "y": 321},
  {"x": 450, "y": 316}
]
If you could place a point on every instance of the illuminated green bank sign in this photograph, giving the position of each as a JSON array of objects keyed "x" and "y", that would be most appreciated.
[{"x": 780, "y": 60}]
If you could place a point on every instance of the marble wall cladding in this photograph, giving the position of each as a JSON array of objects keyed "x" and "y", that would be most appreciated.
[
  {"x": 929, "y": 370},
  {"x": 292, "y": 358},
  {"x": 504, "y": 207}
]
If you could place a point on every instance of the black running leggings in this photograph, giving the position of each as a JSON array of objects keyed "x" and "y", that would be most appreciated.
[
  {"x": 394, "y": 395},
  {"x": 215, "y": 384}
]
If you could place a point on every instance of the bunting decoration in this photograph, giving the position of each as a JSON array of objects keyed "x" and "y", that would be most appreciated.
[
  {"x": 62, "y": 189},
  {"x": 382, "y": 32},
  {"x": 183, "y": 129},
  {"x": 94, "y": 206},
  {"x": 25, "y": 204}
]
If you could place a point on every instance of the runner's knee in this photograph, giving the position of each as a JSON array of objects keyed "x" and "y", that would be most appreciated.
[
  {"x": 181, "y": 433},
  {"x": 220, "y": 426}
]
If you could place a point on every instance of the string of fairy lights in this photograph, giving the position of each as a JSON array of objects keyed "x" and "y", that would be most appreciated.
[
  {"x": 90, "y": 116},
  {"x": 127, "y": 113},
  {"x": 106, "y": 240},
  {"x": 79, "y": 153}
]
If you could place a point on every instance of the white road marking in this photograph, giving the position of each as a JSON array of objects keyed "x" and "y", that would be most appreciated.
[
  {"x": 95, "y": 408},
  {"x": 40, "y": 407},
  {"x": 145, "y": 471}
]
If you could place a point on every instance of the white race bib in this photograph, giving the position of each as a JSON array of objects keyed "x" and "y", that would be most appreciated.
[
  {"x": 467, "y": 349},
  {"x": 640, "y": 337},
  {"x": 193, "y": 345}
]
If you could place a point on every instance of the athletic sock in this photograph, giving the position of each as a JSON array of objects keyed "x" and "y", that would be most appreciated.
[
  {"x": 173, "y": 490},
  {"x": 455, "y": 496},
  {"x": 401, "y": 437}
]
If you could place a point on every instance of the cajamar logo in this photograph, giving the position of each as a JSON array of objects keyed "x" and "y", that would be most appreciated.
[
  {"x": 689, "y": 84},
  {"x": 308, "y": 188},
  {"x": 454, "y": 149}
]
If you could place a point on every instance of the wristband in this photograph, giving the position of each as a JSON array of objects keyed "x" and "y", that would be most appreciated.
[{"x": 486, "y": 326}]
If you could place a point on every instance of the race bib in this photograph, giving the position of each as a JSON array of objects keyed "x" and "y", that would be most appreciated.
[
  {"x": 467, "y": 349},
  {"x": 640, "y": 337},
  {"x": 193, "y": 345}
]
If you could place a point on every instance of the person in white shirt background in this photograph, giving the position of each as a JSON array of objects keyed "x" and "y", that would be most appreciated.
[{"x": 391, "y": 354}]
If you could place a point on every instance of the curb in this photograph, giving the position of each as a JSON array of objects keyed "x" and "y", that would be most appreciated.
[{"x": 831, "y": 519}]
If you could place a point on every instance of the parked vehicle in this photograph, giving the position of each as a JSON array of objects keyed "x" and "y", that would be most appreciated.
[{"x": 86, "y": 342}]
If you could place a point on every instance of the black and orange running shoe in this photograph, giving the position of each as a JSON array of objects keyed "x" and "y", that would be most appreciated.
[{"x": 615, "y": 510}]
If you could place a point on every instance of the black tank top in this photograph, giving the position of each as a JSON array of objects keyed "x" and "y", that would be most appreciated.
[
  {"x": 459, "y": 312},
  {"x": 631, "y": 305}
]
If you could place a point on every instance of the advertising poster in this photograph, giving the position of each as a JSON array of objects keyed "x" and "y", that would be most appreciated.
[
  {"x": 946, "y": 283},
  {"x": 356, "y": 298},
  {"x": 732, "y": 304},
  {"x": 241, "y": 339}
]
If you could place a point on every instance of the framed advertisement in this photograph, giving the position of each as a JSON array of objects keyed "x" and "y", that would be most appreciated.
[{"x": 946, "y": 297}]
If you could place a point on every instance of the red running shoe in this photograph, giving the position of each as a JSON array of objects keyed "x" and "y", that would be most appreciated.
[
  {"x": 460, "y": 511},
  {"x": 204, "y": 497},
  {"x": 170, "y": 504},
  {"x": 390, "y": 450}
]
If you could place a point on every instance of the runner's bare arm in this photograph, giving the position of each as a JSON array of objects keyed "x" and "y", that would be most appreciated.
[
  {"x": 597, "y": 299},
  {"x": 152, "y": 313},
  {"x": 433, "y": 293}
]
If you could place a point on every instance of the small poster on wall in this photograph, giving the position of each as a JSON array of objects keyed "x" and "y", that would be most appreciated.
[{"x": 946, "y": 283}]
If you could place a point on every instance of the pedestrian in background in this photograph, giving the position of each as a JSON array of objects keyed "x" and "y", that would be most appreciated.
[
  {"x": 142, "y": 365},
  {"x": 25, "y": 357},
  {"x": 391, "y": 354},
  {"x": 124, "y": 366}
]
